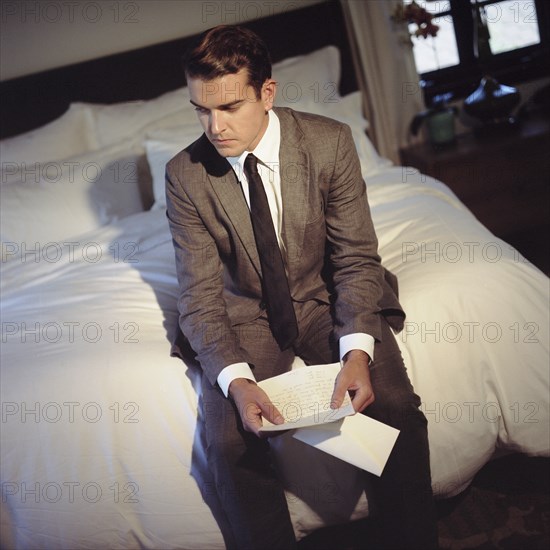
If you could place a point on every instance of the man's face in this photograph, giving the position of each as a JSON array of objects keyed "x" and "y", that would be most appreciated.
[{"x": 232, "y": 117}]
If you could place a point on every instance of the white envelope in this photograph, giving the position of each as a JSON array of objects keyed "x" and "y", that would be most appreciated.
[{"x": 358, "y": 439}]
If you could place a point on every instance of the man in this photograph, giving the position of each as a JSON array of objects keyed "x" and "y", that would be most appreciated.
[{"x": 317, "y": 289}]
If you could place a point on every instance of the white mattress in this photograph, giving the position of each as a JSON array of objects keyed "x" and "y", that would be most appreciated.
[{"x": 100, "y": 447}]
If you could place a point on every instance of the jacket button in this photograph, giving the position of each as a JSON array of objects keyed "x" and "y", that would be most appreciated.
[{"x": 263, "y": 305}]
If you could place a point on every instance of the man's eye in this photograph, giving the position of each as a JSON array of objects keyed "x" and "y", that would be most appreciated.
[{"x": 201, "y": 110}]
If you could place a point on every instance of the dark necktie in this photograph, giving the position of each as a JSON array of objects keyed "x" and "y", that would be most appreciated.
[{"x": 276, "y": 292}]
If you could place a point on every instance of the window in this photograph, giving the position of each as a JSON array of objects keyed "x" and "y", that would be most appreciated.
[{"x": 509, "y": 39}]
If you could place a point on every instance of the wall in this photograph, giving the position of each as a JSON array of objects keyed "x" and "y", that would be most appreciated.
[{"x": 39, "y": 35}]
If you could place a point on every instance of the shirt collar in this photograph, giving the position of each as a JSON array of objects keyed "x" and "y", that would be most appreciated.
[{"x": 267, "y": 150}]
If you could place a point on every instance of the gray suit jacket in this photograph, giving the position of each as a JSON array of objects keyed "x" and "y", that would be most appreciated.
[{"x": 327, "y": 228}]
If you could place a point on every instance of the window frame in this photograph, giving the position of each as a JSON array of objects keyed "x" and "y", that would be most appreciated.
[{"x": 512, "y": 67}]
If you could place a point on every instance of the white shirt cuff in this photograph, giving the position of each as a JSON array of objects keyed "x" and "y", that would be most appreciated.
[
  {"x": 357, "y": 340},
  {"x": 235, "y": 370}
]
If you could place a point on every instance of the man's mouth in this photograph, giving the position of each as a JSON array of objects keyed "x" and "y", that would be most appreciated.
[{"x": 220, "y": 141}]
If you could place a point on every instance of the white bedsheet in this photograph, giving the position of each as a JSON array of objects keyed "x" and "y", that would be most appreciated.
[{"x": 99, "y": 440}]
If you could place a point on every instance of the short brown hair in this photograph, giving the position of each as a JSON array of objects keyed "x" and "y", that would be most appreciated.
[{"x": 226, "y": 49}]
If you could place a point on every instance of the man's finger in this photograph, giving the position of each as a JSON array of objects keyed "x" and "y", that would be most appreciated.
[
  {"x": 338, "y": 394},
  {"x": 271, "y": 413},
  {"x": 252, "y": 421},
  {"x": 362, "y": 398}
]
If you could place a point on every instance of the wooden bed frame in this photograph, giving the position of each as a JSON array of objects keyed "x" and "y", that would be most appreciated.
[{"x": 31, "y": 101}]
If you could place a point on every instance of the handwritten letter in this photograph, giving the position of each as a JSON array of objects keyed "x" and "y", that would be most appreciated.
[{"x": 303, "y": 397}]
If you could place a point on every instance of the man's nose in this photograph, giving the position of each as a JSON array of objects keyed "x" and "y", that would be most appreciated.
[{"x": 217, "y": 124}]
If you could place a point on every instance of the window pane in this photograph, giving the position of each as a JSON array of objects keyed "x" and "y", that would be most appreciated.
[
  {"x": 512, "y": 25},
  {"x": 431, "y": 54}
]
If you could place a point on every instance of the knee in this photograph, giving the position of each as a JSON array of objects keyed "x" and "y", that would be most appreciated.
[{"x": 400, "y": 410}]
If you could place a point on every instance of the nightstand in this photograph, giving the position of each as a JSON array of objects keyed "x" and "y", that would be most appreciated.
[{"x": 503, "y": 179}]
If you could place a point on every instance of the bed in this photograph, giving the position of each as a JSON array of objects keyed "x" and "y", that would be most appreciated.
[{"x": 100, "y": 442}]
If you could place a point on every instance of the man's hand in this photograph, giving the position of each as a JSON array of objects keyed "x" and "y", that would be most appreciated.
[
  {"x": 253, "y": 404},
  {"x": 355, "y": 378}
]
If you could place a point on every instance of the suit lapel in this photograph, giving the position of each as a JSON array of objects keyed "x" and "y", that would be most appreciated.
[
  {"x": 294, "y": 172},
  {"x": 225, "y": 185}
]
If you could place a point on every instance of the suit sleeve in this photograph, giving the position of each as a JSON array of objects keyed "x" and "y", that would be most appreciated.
[
  {"x": 357, "y": 273},
  {"x": 202, "y": 310}
]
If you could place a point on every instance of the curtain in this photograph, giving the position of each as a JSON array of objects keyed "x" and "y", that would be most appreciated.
[{"x": 386, "y": 72}]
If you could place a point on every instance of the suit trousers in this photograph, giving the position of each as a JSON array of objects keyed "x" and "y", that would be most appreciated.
[{"x": 247, "y": 487}]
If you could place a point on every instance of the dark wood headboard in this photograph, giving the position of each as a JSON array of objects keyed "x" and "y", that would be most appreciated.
[{"x": 31, "y": 101}]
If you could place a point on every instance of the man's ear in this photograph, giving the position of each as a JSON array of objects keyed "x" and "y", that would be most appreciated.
[{"x": 269, "y": 90}]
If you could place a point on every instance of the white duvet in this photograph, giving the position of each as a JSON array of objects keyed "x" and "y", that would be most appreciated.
[{"x": 99, "y": 441}]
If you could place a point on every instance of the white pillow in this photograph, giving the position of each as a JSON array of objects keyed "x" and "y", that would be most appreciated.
[
  {"x": 69, "y": 198},
  {"x": 161, "y": 147},
  {"x": 131, "y": 120},
  {"x": 69, "y": 135},
  {"x": 308, "y": 79},
  {"x": 310, "y": 83}
]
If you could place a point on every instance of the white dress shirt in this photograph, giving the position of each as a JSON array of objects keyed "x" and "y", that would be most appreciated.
[{"x": 267, "y": 153}]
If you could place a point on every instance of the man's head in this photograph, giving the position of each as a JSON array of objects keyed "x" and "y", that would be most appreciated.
[
  {"x": 228, "y": 49},
  {"x": 229, "y": 79}
]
